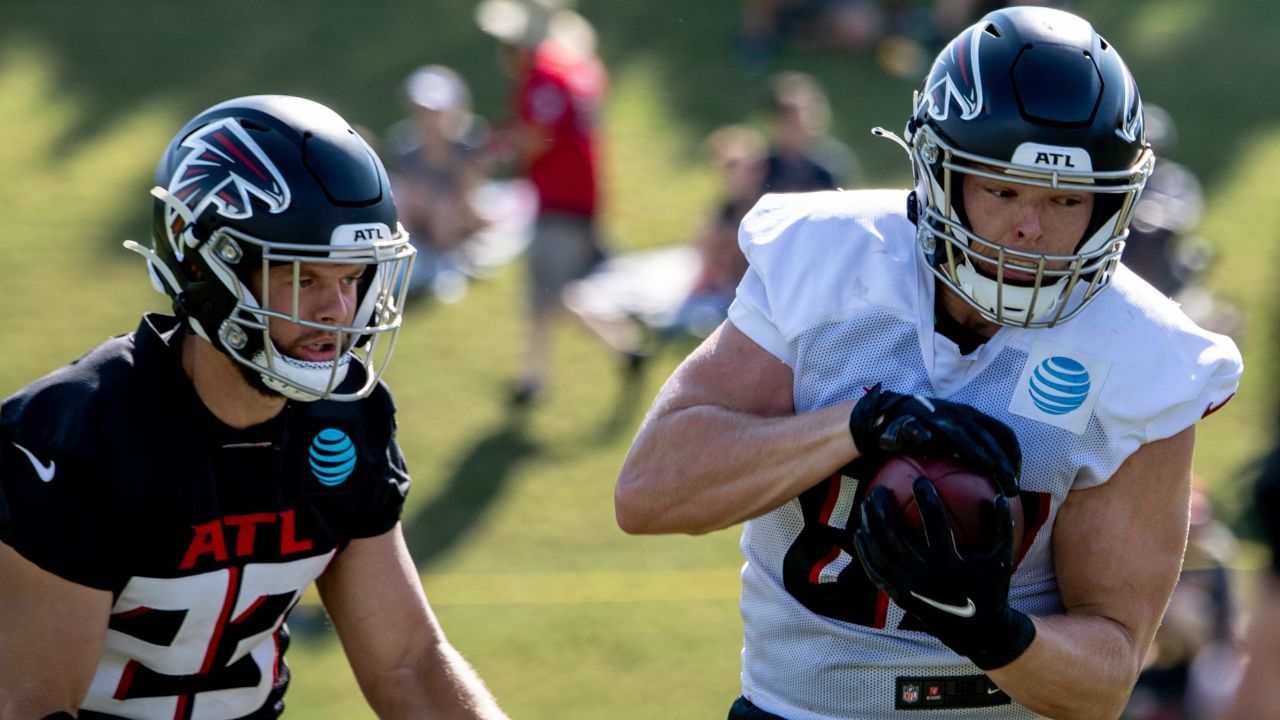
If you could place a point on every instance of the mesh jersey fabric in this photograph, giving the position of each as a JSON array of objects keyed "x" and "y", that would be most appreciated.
[
  {"x": 205, "y": 535},
  {"x": 838, "y": 291}
]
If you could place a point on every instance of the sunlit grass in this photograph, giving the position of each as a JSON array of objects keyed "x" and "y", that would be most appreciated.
[{"x": 66, "y": 285}]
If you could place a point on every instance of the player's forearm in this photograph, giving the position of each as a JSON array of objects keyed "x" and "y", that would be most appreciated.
[
  {"x": 1078, "y": 667},
  {"x": 443, "y": 685},
  {"x": 703, "y": 468}
]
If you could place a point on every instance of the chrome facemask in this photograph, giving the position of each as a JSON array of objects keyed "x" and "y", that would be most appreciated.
[{"x": 1059, "y": 286}]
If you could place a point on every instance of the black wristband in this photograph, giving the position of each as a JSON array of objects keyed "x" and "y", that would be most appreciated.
[
  {"x": 1004, "y": 644},
  {"x": 60, "y": 715}
]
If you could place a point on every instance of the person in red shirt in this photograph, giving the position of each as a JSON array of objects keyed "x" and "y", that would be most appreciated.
[{"x": 552, "y": 138}]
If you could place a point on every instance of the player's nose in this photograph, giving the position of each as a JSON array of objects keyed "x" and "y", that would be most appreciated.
[
  {"x": 1028, "y": 229},
  {"x": 332, "y": 303}
]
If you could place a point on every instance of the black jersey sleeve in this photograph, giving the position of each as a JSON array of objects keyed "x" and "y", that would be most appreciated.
[
  {"x": 395, "y": 487},
  {"x": 387, "y": 501},
  {"x": 390, "y": 482},
  {"x": 54, "y": 513},
  {"x": 58, "y": 437}
]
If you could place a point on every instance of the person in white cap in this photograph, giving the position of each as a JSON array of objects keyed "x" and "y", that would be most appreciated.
[
  {"x": 559, "y": 84},
  {"x": 436, "y": 165}
]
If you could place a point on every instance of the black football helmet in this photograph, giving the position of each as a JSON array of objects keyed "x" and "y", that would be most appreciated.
[
  {"x": 1034, "y": 95},
  {"x": 267, "y": 180}
]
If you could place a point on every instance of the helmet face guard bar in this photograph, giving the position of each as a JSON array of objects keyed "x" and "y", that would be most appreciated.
[
  {"x": 282, "y": 184},
  {"x": 1062, "y": 284},
  {"x": 1057, "y": 278},
  {"x": 370, "y": 338}
]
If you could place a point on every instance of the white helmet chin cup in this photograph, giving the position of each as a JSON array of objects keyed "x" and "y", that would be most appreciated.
[
  {"x": 292, "y": 378},
  {"x": 1013, "y": 304}
]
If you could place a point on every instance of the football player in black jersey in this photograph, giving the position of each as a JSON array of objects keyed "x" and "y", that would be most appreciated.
[{"x": 165, "y": 499}]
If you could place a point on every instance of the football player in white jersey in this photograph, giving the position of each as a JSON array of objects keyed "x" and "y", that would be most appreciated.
[{"x": 982, "y": 315}]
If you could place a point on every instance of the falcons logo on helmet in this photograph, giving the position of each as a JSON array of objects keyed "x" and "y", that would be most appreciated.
[
  {"x": 956, "y": 80},
  {"x": 1132, "y": 110},
  {"x": 224, "y": 168}
]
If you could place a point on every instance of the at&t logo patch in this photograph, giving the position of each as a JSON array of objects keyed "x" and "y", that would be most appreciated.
[
  {"x": 333, "y": 457},
  {"x": 1059, "y": 386}
]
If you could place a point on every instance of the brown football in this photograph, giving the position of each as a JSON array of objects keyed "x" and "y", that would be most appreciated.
[{"x": 962, "y": 492}]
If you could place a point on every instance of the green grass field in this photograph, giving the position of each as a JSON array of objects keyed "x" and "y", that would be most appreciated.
[{"x": 511, "y": 515}]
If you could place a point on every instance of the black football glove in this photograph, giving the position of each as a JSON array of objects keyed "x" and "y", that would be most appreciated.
[
  {"x": 887, "y": 423},
  {"x": 963, "y": 600}
]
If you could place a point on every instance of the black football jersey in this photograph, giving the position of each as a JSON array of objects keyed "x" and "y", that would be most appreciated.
[{"x": 114, "y": 475}]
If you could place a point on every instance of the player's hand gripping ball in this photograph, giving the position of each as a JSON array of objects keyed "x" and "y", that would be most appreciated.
[
  {"x": 967, "y": 496},
  {"x": 960, "y": 596},
  {"x": 885, "y": 423}
]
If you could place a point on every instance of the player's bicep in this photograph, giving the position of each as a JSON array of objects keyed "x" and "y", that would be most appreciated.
[
  {"x": 52, "y": 637},
  {"x": 1118, "y": 546},
  {"x": 729, "y": 370}
]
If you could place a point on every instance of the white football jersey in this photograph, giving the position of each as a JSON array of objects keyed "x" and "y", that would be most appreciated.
[{"x": 838, "y": 290}]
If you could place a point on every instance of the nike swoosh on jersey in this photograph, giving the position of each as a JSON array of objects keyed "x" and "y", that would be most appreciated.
[
  {"x": 43, "y": 471},
  {"x": 993, "y": 691},
  {"x": 966, "y": 610}
]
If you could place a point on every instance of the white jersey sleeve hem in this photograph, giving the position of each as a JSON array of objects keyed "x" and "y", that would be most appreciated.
[{"x": 752, "y": 323}]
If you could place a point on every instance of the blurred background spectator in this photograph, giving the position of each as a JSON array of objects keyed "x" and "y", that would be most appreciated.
[
  {"x": 802, "y": 156},
  {"x": 902, "y": 34},
  {"x": 1163, "y": 245},
  {"x": 737, "y": 152},
  {"x": 552, "y": 138},
  {"x": 1258, "y": 694},
  {"x": 1194, "y": 663},
  {"x": 436, "y": 168},
  {"x": 636, "y": 299}
]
